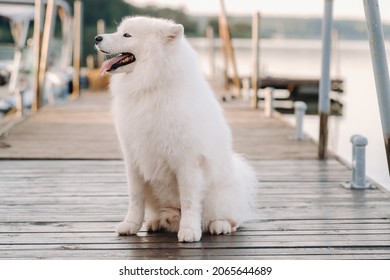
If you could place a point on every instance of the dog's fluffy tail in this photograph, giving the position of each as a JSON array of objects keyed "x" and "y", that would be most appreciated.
[
  {"x": 230, "y": 196},
  {"x": 246, "y": 180}
]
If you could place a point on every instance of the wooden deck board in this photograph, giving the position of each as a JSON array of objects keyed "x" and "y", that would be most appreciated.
[
  {"x": 63, "y": 190},
  {"x": 81, "y": 130}
]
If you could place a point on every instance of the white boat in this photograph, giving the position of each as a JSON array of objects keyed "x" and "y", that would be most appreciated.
[{"x": 17, "y": 56}]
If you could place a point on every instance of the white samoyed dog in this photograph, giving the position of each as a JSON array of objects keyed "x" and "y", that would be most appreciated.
[{"x": 182, "y": 173}]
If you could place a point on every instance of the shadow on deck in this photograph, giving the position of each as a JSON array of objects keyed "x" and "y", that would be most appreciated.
[{"x": 64, "y": 189}]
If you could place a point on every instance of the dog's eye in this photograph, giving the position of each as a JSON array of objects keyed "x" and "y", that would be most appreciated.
[{"x": 127, "y": 35}]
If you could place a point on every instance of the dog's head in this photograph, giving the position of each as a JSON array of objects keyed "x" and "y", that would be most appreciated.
[{"x": 137, "y": 40}]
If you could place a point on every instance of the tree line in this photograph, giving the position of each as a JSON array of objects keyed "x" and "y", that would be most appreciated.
[{"x": 112, "y": 11}]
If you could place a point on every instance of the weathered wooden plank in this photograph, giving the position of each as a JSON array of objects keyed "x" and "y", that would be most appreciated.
[
  {"x": 11, "y": 235},
  {"x": 261, "y": 239},
  {"x": 102, "y": 215},
  {"x": 75, "y": 130},
  {"x": 206, "y": 246},
  {"x": 90, "y": 200},
  {"x": 227, "y": 253},
  {"x": 342, "y": 226}
]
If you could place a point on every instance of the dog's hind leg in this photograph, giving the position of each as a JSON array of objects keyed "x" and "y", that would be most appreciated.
[{"x": 170, "y": 219}]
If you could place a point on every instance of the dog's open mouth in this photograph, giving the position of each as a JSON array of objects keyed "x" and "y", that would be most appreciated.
[{"x": 116, "y": 62}]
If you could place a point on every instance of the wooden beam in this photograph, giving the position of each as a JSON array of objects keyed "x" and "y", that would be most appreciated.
[
  {"x": 101, "y": 27},
  {"x": 77, "y": 48},
  {"x": 225, "y": 35},
  {"x": 47, "y": 34},
  {"x": 255, "y": 59},
  {"x": 37, "y": 99}
]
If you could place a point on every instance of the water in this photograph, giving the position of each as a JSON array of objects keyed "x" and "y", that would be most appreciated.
[{"x": 302, "y": 58}]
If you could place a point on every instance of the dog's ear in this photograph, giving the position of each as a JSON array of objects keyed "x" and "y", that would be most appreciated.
[{"x": 174, "y": 32}]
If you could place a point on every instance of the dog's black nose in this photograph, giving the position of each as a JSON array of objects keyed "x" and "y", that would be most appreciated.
[{"x": 98, "y": 39}]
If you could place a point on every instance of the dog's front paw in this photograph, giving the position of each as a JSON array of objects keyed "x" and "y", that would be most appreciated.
[
  {"x": 128, "y": 228},
  {"x": 188, "y": 234}
]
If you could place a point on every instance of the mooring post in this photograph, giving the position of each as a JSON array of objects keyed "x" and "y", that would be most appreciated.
[
  {"x": 228, "y": 45},
  {"x": 299, "y": 109},
  {"x": 255, "y": 59},
  {"x": 48, "y": 30},
  {"x": 101, "y": 29},
  {"x": 77, "y": 25},
  {"x": 359, "y": 144},
  {"x": 37, "y": 37},
  {"x": 353, "y": 156},
  {"x": 324, "y": 103},
  {"x": 269, "y": 102},
  {"x": 19, "y": 102},
  {"x": 210, "y": 39},
  {"x": 381, "y": 71}
]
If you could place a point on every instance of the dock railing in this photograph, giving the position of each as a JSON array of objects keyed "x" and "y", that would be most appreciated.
[
  {"x": 255, "y": 59},
  {"x": 379, "y": 61},
  {"x": 380, "y": 67},
  {"x": 324, "y": 89}
]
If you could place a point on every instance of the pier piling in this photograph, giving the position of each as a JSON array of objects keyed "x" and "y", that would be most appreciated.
[
  {"x": 324, "y": 88},
  {"x": 255, "y": 59}
]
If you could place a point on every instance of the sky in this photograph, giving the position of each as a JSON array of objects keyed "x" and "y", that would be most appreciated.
[{"x": 351, "y": 9}]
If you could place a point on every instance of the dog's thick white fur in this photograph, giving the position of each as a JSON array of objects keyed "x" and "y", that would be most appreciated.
[{"x": 182, "y": 173}]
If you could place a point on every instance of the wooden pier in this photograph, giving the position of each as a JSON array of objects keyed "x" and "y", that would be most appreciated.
[{"x": 63, "y": 190}]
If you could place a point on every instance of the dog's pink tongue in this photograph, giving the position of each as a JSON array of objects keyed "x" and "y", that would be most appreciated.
[{"x": 106, "y": 66}]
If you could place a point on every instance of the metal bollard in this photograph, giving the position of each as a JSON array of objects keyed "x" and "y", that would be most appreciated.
[
  {"x": 300, "y": 109},
  {"x": 358, "y": 164},
  {"x": 353, "y": 156},
  {"x": 269, "y": 102}
]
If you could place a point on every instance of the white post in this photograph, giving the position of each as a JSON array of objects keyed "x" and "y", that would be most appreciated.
[
  {"x": 300, "y": 109},
  {"x": 48, "y": 30},
  {"x": 269, "y": 102},
  {"x": 246, "y": 94},
  {"x": 66, "y": 54},
  {"x": 255, "y": 58},
  {"x": 360, "y": 144},
  {"x": 324, "y": 103},
  {"x": 379, "y": 63},
  {"x": 19, "y": 31},
  {"x": 210, "y": 37},
  {"x": 353, "y": 156},
  {"x": 358, "y": 164}
]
